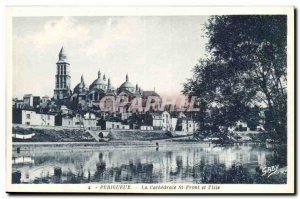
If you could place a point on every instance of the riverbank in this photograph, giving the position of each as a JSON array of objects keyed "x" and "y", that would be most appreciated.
[
  {"x": 60, "y": 134},
  {"x": 31, "y": 146},
  {"x": 80, "y": 135},
  {"x": 51, "y": 135}
]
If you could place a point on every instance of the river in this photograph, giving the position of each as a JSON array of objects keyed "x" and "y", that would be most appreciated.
[{"x": 173, "y": 163}]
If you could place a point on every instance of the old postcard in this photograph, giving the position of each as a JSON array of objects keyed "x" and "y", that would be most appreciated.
[{"x": 150, "y": 99}]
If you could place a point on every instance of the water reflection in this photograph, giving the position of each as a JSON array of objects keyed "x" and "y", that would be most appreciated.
[{"x": 177, "y": 164}]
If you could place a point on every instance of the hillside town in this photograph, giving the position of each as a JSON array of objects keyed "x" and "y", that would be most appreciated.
[
  {"x": 101, "y": 106},
  {"x": 81, "y": 107}
]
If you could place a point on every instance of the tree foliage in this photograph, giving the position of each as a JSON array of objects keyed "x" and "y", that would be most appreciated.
[{"x": 246, "y": 70}]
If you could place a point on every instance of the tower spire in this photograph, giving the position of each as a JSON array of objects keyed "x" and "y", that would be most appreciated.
[
  {"x": 62, "y": 54},
  {"x": 104, "y": 78},
  {"x": 99, "y": 74},
  {"x": 127, "y": 79},
  {"x": 82, "y": 80}
]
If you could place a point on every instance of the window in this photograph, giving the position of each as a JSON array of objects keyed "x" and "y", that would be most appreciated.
[
  {"x": 117, "y": 126},
  {"x": 113, "y": 126},
  {"x": 27, "y": 123},
  {"x": 28, "y": 116},
  {"x": 48, "y": 117}
]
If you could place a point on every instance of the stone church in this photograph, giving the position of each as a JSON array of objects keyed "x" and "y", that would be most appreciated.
[{"x": 85, "y": 95}]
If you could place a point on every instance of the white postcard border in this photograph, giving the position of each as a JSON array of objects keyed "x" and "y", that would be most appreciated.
[{"x": 26, "y": 11}]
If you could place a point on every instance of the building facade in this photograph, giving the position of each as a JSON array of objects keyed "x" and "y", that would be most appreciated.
[
  {"x": 30, "y": 117},
  {"x": 116, "y": 125},
  {"x": 31, "y": 101}
]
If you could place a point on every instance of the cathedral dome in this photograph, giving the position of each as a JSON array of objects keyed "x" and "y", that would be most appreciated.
[
  {"x": 127, "y": 85},
  {"x": 99, "y": 82}
]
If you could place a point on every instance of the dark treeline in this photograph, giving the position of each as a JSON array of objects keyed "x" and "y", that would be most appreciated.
[{"x": 245, "y": 74}]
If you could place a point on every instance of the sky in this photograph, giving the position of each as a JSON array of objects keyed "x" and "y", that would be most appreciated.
[{"x": 156, "y": 52}]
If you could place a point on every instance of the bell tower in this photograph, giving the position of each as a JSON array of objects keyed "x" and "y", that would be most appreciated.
[{"x": 62, "y": 77}]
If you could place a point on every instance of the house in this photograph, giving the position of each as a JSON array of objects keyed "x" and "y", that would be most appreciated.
[
  {"x": 146, "y": 128},
  {"x": 157, "y": 121},
  {"x": 166, "y": 120},
  {"x": 30, "y": 117},
  {"x": 18, "y": 104},
  {"x": 161, "y": 120},
  {"x": 70, "y": 120},
  {"x": 184, "y": 125},
  {"x": 67, "y": 121},
  {"x": 110, "y": 124},
  {"x": 89, "y": 120},
  {"x": 31, "y": 101},
  {"x": 189, "y": 125}
]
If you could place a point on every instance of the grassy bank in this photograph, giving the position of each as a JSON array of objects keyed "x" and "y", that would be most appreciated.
[
  {"x": 138, "y": 135},
  {"x": 53, "y": 135},
  {"x": 78, "y": 135}
]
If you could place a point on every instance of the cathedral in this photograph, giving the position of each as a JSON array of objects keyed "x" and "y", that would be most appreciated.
[{"x": 85, "y": 95}]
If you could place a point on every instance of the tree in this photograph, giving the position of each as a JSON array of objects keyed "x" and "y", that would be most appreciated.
[{"x": 247, "y": 68}]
